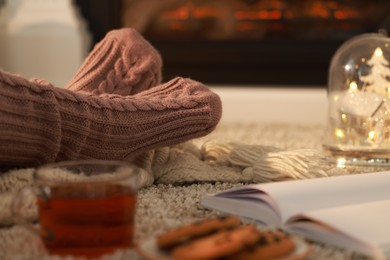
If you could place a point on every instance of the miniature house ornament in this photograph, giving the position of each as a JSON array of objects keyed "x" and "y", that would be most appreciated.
[{"x": 358, "y": 127}]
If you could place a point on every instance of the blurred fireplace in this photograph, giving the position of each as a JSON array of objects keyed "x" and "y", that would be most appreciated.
[{"x": 279, "y": 42}]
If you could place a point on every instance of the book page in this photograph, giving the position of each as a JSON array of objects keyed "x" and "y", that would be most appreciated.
[
  {"x": 363, "y": 228},
  {"x": 299, "y": 196},
  {"x": 245, "y": 207},
  {"x": 289, "y": 198}
]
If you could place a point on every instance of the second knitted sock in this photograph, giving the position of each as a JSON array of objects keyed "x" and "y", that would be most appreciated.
[
  {"x": 122, "y": 63},
  {"x": 41, "y": 123}
]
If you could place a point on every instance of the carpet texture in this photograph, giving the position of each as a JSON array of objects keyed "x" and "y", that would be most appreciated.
[{"x": 176, "y": 178}]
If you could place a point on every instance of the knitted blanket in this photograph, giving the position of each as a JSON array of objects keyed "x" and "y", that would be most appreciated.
[{"x": 176, "y": 178}]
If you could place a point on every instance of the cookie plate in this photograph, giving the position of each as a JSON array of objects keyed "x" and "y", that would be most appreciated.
[{"x": 150, "y": 250}]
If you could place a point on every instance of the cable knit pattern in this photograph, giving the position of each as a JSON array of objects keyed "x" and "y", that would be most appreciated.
[
  {"x": 123, "y": 63},
  {"x": 41, "y": 123},
  {"x": 175, "y": 94}
]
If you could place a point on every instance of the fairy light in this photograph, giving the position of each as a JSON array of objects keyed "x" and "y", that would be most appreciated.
[
  {"x": 339, "y": 133},
  {"x": 353, "y": 87},
  {"x": 341, "y": 162},
  {"x": 378, "y": 52},
  {"x": 371, "y": 135},
  {"x": 344, "y": 117}
]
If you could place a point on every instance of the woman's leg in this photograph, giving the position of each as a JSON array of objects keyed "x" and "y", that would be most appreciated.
[{"x": 40, "y": 123}]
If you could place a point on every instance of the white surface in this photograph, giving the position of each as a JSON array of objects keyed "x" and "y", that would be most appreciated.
[{"x": 273, "y": 104}]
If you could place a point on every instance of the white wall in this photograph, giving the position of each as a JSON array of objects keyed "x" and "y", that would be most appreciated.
[{"x": 45, "y": 39}]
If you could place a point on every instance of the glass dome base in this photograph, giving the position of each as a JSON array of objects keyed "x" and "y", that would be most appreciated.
[{"x": 357, "y": 157}]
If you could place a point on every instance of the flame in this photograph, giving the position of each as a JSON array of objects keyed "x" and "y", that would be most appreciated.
[
  {"x": 181, "y": 13},
  {"x": 346, "y": 14},
  {"x": 262, "y": 15}
]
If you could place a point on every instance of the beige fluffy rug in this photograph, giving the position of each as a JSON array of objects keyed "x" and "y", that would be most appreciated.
[{"x": 176, "y": 178}]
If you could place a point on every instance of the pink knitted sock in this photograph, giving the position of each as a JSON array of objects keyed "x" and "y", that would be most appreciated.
[
  {"x": 122, "y": 63},
  {"x": 40, "y": 123}
]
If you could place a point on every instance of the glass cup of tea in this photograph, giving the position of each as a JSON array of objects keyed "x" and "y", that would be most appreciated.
[{"x": 85, "y": 208}]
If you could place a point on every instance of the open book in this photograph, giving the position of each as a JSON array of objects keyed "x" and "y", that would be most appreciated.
[{"x": 351, "y": 211}]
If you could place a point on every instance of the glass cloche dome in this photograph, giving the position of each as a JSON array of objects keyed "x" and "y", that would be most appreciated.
[{"x": 358, "y": 127}]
